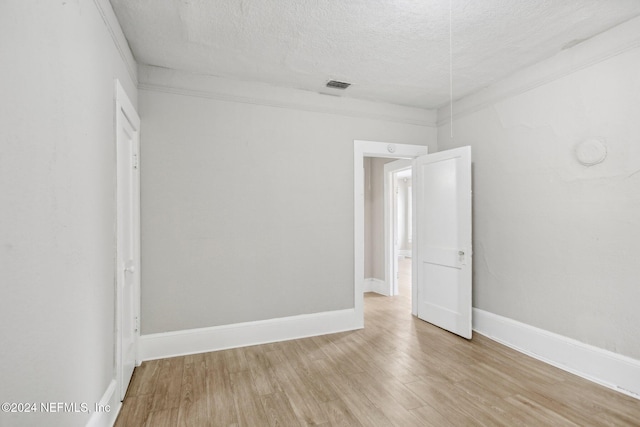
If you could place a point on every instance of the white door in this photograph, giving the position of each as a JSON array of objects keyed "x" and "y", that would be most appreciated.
[
  {"x": 442, "y": 230},
  {"x": 128, "y": 238}
]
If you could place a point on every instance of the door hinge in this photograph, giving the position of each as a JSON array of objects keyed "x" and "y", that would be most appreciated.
[
  {"x": 137, "y": 323},
  {"x": 135, "y": 160}
]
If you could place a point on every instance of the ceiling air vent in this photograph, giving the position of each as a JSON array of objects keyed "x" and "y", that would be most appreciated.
[{"x": 334, "y": 84}]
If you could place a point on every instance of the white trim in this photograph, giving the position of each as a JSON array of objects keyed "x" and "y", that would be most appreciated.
[
  {"x": 302, "y": 106},
  {"x": 158, "y": 79},
  {"x": 405, "y": 253},
  {"x": 613, "y": 370},
  {"x": 362, "y": 149},
  {"x": 106, "y": 418},
  {"x": 414, "y": 227},
  {"x": 376, "y": 285},
  {"x": 608, "y": 44},
  {"x": 201, "y": 340},
  {"x": 124, "y": 104},
  {"x": 119, "y": 40},
  {"x": 390, "y": 264}
]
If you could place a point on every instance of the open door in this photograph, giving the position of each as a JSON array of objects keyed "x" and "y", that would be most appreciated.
[
  {"x": 442, "y": 239},
  {"x": 127, "y": 239}
]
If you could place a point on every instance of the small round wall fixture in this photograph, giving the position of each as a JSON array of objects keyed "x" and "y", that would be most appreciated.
[
  {"x": 391, "y": 148},
  {"x": 591, "y": 151}
]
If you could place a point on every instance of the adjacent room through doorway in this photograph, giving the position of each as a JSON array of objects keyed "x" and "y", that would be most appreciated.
[
  {"x": 441, "y": 222},
  {"x": 388, "y": 227},
  {"x": 398, "y": 217}
]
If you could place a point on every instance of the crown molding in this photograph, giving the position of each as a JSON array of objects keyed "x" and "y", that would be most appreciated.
[
  {"x": 599, "y": 48},
  {"x": 113, "y": 26},
  {"x": 176, "y": 82}
]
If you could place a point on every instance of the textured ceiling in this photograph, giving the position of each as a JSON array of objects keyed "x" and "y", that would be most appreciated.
[{"x": 393, "y": 51}]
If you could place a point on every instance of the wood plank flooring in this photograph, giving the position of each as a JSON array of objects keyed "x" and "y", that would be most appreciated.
[{"x": 398, "y": 371}]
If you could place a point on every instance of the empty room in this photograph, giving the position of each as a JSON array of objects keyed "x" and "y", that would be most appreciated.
[{"x": 319, "y": 212}]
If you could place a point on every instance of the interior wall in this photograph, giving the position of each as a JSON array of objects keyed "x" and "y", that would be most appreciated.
[
  {"x": 555, "y": 241},
  {"x": 57, "y": 192},
  {"x": 274, "y": 241}
]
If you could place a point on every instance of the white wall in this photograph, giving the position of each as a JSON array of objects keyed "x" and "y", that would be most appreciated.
[
  {"x": 556, "y": 242},
  {"x": 57, "y": 192},
  {"x": 277, "y": 239}
]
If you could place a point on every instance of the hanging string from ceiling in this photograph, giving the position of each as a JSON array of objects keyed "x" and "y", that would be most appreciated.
[{"x": 451, "y": 66}]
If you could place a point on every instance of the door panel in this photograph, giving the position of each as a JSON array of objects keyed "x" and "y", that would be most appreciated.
[
  {"x": 128, "y": 240},
  {"x": 127, "y": 250},
  {"x": 442, "y": 211}
]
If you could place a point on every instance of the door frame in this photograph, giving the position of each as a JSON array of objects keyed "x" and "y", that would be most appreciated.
[
  {"x": 390, "y": 223},
  {"x": 126, "y": 111},
  {"x": 362, "y": 149}
]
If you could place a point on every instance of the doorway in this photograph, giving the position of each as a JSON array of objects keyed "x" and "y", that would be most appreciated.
[
  {"x": 398, "y": 219},
  {"x": 441, "y": 224},
  {"x": 363, "y": 149}
]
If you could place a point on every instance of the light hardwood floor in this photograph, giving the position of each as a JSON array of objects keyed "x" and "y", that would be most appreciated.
[{"x": 398, "y": 371}]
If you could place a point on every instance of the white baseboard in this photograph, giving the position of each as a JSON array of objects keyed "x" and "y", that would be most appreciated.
[
  {"x": 202, "y": 340},
  {"x": 618, "y": 372},
  {"x": 376, "y": 285},
  {"x": 106, "y": 418}
]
